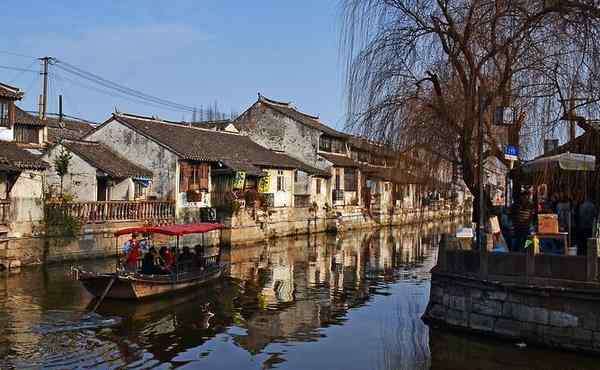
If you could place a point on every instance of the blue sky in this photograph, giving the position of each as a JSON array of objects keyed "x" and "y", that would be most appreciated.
[{"x": 190, "y": 52}]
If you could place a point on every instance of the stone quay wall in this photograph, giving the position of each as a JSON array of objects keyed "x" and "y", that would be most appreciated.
[
  {"x": 247, "y": 227},
  {"x": 566, "y": 318}
]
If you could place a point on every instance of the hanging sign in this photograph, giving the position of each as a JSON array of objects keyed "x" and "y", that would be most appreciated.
[
  {"x": 265, "y": 184},
  {"x": 511, "y": 153},
  {"x": 240, "y": 178}
]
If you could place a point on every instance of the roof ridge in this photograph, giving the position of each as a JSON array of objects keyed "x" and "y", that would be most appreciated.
[
  {"x": 10, "y": 87},
  {"x": 175, "y": 124},
  {"x": 286, "y": 105}
]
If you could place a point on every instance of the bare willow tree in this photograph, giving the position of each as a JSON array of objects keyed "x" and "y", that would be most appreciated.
[{"x": 420, "y": 71}]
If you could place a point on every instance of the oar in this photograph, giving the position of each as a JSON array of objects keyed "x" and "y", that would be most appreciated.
[{"x": 110, "y": 284}]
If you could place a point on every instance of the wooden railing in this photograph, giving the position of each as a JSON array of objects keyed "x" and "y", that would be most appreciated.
[
  {"x": 4, "y": 211},
  {"x": 116, "y": 211},
  {"x": 528, "y": 267}
]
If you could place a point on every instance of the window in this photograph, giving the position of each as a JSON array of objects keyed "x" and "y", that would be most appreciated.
[
  {"x": 325, "y": 144},
  {"x": 295, "y": 176},
  {"x": 350, "y": 179},
  {"x": 193, "y": 176},
  {"x": 337, "y": 179},
  {"x": 140, "y": 187},
  {"x": 280, "y": 181},
  {"x": 26, "y": 134},
  {"x": 4, "y": 114},
  {"x": 318, "y": 186},
  {"x": 337, "y": 146},
  {"x": 363, "y": 156}
]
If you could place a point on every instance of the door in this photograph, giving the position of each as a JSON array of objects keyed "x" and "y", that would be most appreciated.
[{"x": 102, "y": 189}]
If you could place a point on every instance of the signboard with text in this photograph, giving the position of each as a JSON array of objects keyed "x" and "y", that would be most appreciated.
[{"x": 511, "y": 153}]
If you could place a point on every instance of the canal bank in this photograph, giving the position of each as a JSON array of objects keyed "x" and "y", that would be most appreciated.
[
  {"x": 348, "y": 301},
  {"x": 541, "y": 299},
  {"x": 96, "y": 240}
]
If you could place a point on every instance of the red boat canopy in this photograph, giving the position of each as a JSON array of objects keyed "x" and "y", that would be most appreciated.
[{"x": 173, "y": 230}]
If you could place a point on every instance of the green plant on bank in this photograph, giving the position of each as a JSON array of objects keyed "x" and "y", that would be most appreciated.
[
  {"x": 59, "y": 224},
  {"x": 61, "y": 166}
]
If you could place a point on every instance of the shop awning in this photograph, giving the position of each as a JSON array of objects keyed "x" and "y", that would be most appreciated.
[{"x": 565, "y": 161}]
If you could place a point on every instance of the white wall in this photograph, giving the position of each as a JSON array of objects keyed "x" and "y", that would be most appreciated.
[
  {"x": 282, "y": 198},
  {"x": 81, "y": 180},
  {"x": 325, "y": 195},
  {"x": 26, "y": 203},
  {"x": 122, "y": 190},
  {"x": 144, "y": 152}
]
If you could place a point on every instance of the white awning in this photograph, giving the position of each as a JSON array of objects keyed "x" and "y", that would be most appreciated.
[{"x": 565, "y": 161}]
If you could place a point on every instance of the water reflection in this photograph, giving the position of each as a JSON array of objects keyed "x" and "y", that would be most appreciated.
[{"x": 350, "y": 301}]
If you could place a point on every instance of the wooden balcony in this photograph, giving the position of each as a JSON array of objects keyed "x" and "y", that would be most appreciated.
[
  {"x": 117, "y": 211},
  {"x": 4, "y": 211}
]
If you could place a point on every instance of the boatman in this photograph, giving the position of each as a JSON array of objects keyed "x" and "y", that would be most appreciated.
[{"x": 132, "y": 252}]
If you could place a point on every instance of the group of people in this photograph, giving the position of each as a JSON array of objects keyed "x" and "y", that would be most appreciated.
[
  {"x": 163, "y": 261},
  {"x": 576, "y": 214}
]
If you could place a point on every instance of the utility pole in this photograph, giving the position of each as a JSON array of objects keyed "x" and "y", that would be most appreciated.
[{"x": 44, "y": 108}]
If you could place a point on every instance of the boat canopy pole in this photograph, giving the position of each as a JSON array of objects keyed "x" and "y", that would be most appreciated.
[
  {"x": 177, "y": 260},
  {"x": 117, "y": 253}
]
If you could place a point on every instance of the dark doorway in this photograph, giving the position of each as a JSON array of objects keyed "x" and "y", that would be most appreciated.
[{"x": 102, "y": 189}]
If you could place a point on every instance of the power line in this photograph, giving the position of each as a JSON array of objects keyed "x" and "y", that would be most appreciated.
[
  {"x": 107, "y": 92},
  {"x": 28, "y": 69},
  {"x": 16, "y": 54},
  {"x": 18, "y": 69},
  {"x": 138, "y": 95}
]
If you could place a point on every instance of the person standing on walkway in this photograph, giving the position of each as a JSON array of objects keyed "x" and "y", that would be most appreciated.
[
  {"x": 522, "y": 214},
  {"x": 586, "y": 216}
]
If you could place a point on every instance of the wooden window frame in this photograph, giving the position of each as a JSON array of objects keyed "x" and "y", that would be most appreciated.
[{"x": 5, "y": 113}]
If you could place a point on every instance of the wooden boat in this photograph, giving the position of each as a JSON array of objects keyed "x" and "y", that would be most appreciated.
[{"x": 127, "y": 285}]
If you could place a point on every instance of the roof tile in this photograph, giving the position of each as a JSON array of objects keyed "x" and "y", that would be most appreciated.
[{"x": 103, "y": 158}]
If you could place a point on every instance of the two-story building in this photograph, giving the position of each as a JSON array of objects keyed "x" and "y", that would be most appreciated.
[
  {"x": 21, "y": 170},
  {"x": 198, "y": 168},
  {"x": 281, "y": 126}
]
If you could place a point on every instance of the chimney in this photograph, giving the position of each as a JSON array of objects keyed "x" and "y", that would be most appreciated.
[{"x": 60, "y": 110}]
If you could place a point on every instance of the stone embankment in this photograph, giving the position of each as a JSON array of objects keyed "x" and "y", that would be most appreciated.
[
  {"x": 247, "y": 227},
  {"x": 549, "y": 300}
]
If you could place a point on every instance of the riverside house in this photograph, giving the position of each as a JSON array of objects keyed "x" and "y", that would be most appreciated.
[
  {"x": 357, "y": 167},
  {"x": 21, "y": 171},
  {"x": 281, "y": 126},
  {"x": 96, "y": 173},
  {"x": 195, "y": 168}
]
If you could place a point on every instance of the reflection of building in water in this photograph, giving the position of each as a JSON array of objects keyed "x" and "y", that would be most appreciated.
[{"x": 279, "y": 284}]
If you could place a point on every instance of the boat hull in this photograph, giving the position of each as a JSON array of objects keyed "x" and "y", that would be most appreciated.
[{"x": 137, "y": 286}]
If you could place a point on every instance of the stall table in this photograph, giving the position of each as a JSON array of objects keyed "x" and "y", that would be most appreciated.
[{"x": 564, "y": 236}]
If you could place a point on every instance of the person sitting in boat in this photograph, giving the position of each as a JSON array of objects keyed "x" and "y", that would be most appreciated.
[
  {"x": 186, "y": 258},
  {"x": 130, "y": 243},
  {"x": 132, "y": 253},
  {"x": 149, "y": 262},
  {"x": 146, "y": 243},
  {"x": 198, "y": 257},
  {"x": 166, "y": 260}
]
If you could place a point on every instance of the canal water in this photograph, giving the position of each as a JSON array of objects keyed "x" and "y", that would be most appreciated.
[{"x": 350, "y": 301}]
